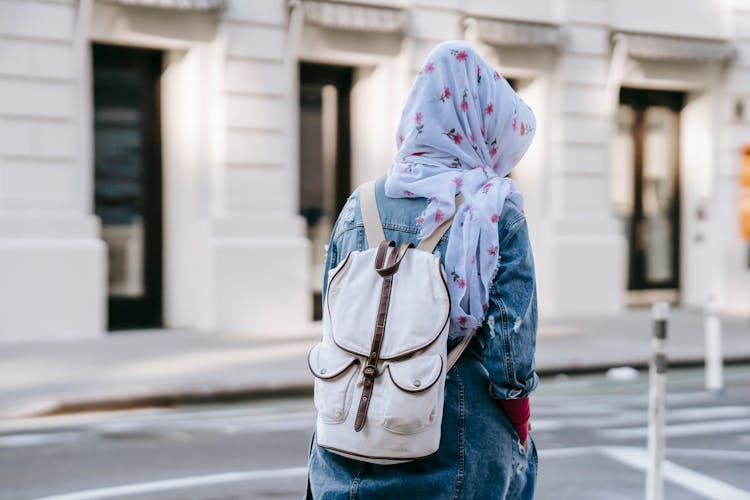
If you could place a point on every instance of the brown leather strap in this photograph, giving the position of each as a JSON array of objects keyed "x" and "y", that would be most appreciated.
[
  {"x": 370, "y": 371},
  {"x": 391, "y": 269},
  {"x": 382, "y": 251}
]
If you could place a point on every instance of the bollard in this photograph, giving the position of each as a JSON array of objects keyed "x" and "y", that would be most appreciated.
[
  {"x": 714, "y": 362},
  {"x": 657, "y": 403}
]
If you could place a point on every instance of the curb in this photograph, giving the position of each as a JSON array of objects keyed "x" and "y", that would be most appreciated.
[{"x": 171, "y": 399}]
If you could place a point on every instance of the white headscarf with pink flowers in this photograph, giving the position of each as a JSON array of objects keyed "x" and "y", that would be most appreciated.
[{"x": 463, "y": 130}]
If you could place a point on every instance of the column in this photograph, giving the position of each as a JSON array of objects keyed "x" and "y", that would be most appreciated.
[
  {"x": 257, "y": 252},
  {"x": 52, "y": 262},
  {"x": 586, "y": 260}
]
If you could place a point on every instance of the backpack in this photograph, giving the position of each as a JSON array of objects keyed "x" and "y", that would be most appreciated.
[{"x": 381, "y": 365}]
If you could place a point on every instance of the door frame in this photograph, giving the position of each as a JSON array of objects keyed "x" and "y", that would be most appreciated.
[
  {"x": 639, "y": 100},
  {"x": 341, "y": 77},
  {"x": 146, "y": 311}
]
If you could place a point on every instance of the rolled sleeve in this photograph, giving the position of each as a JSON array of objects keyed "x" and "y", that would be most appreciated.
[{"x": 508, "y": 335}]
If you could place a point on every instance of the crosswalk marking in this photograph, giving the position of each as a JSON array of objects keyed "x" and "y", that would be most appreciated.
[
  {"x": 728, "y": 455},
  {"x": 638, "y": 417},
  {"x": 38, "y": 439},
  {"x": 681, "y": 430},
  {"x": 179, "y": 484},
  {"x": 696, "y": 482},
  {"x": 225, "y": 423},
  {"x": 611, "y": 419},
  {"x": 618, "y": 425}
]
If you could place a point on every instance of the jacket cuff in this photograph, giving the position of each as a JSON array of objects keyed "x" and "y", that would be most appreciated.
[{"x": 501, "y": 392}]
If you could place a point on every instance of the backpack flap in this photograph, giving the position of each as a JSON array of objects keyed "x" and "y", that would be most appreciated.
[
  {"x": 416, "y": 374},
  {"x": 328, "y": 361},
  {"x": 418, "y": 311}
]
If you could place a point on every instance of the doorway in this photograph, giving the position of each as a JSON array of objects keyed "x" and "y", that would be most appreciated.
[
  {"x": 648, "y": 160},
  {"x": 325, "y": 157},
  {"x": 128, "y": 180}
]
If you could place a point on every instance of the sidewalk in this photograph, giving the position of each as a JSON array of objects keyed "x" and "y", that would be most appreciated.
[{"x": 169, "y": 367}]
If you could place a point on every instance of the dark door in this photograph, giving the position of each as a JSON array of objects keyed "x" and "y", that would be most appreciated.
[
  {"x": 325, "y": 170},
  {"x": 128, "y": 180},
  {"x": 652, "y": 119}
]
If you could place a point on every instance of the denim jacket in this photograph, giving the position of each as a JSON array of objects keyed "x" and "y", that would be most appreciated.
[{"x": 508, "y": 334}]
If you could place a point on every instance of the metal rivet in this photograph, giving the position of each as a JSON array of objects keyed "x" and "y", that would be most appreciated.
[
  {"x": 364, "y": 398},
  {"x": 324, "y": 371},
  {"x": 417, "y": 383}
]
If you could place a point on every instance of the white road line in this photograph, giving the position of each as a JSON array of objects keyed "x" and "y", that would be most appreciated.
[
  {"x": 255, "y": 422},
  {"x": 682, "y": 430},
  {"x": 702, "y": 453},
  {"x": 689, "y": 479},
  {"x": 206, "y": 417},
  {"x": 178, "y": 484},
  {"x": 22, "y": 439},
  {"x": 144, "y": 415},
  {"x": 566, "y": 452},
  {"x": 542, "y": 424},
  {"x": 639, "y": 417},
  {"x": 271, "y": 427},
  {"x": 690, "y": 397},
  {"x": 708, "y": 412},
  {"x": 40, "y": 439},
  {"x": 564, "y": 409}
]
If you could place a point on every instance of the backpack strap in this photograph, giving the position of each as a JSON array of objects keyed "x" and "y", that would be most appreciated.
[
  {"x": 428, "y": 244},
  {"x": 457, "y": 351},
  {"x": 370, "y": 215},
  {"x": 375, "y": 235},
  {"x": 374, "y": 226}
]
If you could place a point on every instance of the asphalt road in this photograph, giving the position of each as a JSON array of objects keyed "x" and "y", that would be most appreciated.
[{"x": 591, "y": 433}]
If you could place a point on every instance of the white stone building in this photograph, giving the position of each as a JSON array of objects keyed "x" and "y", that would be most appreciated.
[{"x": 150, "y": 169}]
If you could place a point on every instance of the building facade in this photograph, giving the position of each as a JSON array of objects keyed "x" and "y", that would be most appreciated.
[{"x": 178, "y": 163}]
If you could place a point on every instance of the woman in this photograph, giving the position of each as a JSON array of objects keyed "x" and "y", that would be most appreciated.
[{"x": 462, "y": 130}]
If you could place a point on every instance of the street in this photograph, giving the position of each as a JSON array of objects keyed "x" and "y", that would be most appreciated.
[{"x": 590, "y": 430}]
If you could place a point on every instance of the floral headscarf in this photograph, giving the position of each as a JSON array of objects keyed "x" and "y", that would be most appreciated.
[{"x": 463, "y": 129}]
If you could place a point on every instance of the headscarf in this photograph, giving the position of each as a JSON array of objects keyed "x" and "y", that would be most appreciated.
[{"x": 463, "y": 129}]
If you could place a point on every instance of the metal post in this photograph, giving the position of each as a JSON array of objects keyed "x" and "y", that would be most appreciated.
[
  {"x": 714, "y": 362},
  {"x": 657, "y": 403}
]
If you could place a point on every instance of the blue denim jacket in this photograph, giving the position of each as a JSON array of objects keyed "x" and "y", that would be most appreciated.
[{"x": 508, "y": 334}]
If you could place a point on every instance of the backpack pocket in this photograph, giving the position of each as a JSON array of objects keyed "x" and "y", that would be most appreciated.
[
  {"x": 335, "y": 374},
  {"x": 412, "y": 392}
]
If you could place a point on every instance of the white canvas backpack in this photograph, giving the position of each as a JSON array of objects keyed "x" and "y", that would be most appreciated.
[{"x": 380, "y": 368}]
